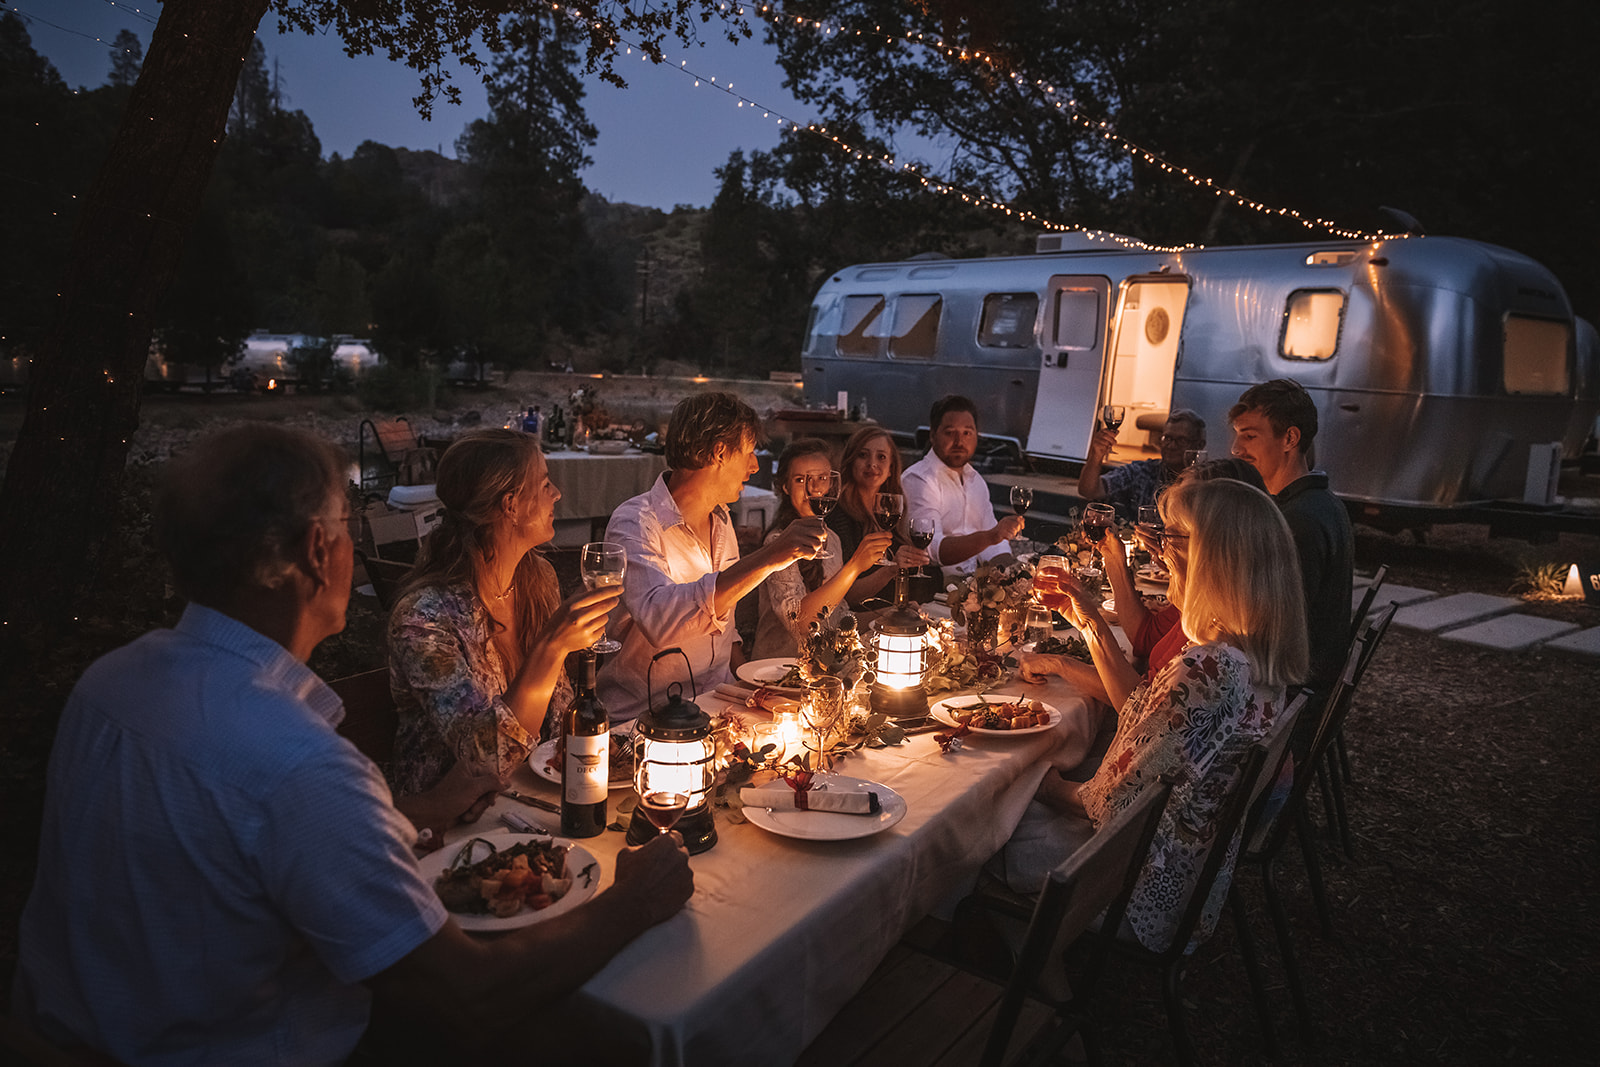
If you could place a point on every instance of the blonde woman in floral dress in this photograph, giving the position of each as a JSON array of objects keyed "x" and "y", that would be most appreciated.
[
  {"x": 479, "y": 635},
  {"x": 1235, "y": 577}
]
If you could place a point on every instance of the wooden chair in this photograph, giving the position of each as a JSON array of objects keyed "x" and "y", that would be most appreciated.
[
  {"x": 409, "y": 462},
  {"x": 386, "y": 576},
  {"x": 1356, "y": 663},
  {"x": 1341, "y": 752},
  {"x": 370, "y": 720},
  {"x": 1266, "y": 836},
  {"x": 1172, "y": 959},
  {"x": 920, "y": 1008}
]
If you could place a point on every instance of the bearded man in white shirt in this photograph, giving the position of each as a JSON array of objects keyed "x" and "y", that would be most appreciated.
[{"x": 943, "y": 486}]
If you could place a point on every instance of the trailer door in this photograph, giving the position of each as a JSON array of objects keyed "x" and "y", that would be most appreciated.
[
  {"x": 1072, "y": 343},
  {"x": 1148, "y": 324}
]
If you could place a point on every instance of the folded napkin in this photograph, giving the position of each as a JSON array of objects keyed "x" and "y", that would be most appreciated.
[{"x": 813, "y": 800}]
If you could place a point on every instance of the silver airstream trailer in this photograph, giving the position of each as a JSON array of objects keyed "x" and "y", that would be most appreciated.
[{"x": 1447, "y": 373}]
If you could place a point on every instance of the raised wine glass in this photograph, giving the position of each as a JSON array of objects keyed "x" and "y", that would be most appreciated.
[
  {"x": 1047, "y": 578},
  {"x": 1021, "y": 501},
  {"x": 922, "y": 534},
  {"x": 1112, "y": 415},
  {"x": 1097, "y": 519},
  {"x": 603, "y": 563},
  {"x": 1150, "y": 526},
  {"x": 822, "y": 490},
  {"x": 890, "y": 507},
  {"x": 663, "y": 802}
]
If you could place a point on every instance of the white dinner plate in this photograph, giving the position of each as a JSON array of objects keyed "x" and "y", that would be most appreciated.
[
  {"x": 539, "y": 762},
  {"x": 827, "y": 825},
  {"x": 434, "y": 864},
  {"x": 766, "y": 672},
  {"x": 946, "y": 709}
]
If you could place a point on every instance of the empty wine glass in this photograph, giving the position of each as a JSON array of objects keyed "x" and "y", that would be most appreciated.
[
  {"x": 603, "y": 563},
  {"x": 1037, "y": 627},
  {"x": 823, "y": 709},
  {"x": 890, "y": 507},
  {"x": 1112, "y": 415},
  {"x": 822, "y": 490}
]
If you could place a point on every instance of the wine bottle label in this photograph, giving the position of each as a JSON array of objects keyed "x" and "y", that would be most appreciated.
[{"x": 588, "y": 771}]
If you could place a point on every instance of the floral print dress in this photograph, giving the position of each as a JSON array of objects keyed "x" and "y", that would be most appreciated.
[
  {"x": 1194, "y": 718},
  {"x": 449, "y": 684}
]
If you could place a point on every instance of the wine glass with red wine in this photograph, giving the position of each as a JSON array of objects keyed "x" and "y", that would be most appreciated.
[
  {"x": 822, "y": 491},
  {"x": 1097, "y": 519},
  {"x": 922, "y": 534},
  {"x": 890, "y": 507},
  {"x": 1021, "y": 501},
  {"x": 662, "y": 802},
  {"x": 1112, "y": 415}
]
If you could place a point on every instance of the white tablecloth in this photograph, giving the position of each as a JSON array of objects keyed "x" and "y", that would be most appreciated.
[
  {"x": 593, "y": 485},
  {"x": 781, "y": 933}
]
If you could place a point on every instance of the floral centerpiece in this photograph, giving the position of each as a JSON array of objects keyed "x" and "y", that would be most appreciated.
[
  {"x": 826, "y": 650},
  {"x": 988, "y": 597},
  {"x": 956, "y": 664}
]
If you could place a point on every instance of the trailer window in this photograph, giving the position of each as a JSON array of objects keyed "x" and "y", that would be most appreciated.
[
  {"x": 1078, "y": 319},
  {"x": 916, "y": 326},
  {"x": 861, "y": 326},
  {"x": 1536, "y": 355},
  {"x": 1311, "y": 322},
  {"x": 1008, "y": 320}
]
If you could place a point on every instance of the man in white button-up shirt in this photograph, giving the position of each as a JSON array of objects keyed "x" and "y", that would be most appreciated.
[
  {"x": 943, "y": 486},
  {"x": 684, "y": 572}
]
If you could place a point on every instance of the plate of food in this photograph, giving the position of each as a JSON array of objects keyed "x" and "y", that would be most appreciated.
[
  {"x": 548, "y": 761},
  {"x": 781, "y": 673},
  {"x": 1000, "y": 716},
  {"x": 503, "y": 880},
  {"x": 824, "y": 825}
]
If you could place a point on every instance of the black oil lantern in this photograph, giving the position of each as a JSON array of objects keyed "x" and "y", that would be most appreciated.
[{"x": 674, "y": 752}]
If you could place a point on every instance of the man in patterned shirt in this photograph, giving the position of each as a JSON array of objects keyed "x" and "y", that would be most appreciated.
[{"x": 1133, "y": 485}]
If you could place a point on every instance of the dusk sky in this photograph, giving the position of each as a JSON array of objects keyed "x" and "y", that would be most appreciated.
[{"x": 659, "y": 140}]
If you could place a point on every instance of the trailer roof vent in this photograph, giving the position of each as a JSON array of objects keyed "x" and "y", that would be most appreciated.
[{"x": 1079, "y": 241}]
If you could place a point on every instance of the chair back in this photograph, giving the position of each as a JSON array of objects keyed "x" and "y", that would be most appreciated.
[
  {"x": 1276, "y": 742},
  {"x": 370, "y": 719},
  {"x": 1265, "y": 840},
  {"x": 1230, "y": 818},
  {"x": 1366, "y": 600},
  {"x": 1097, "y": 878},
  {"x": 386, "y": 576}
]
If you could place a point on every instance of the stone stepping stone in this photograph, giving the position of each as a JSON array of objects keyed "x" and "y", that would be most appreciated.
[
  {"x": 1584, "y": 641},
  {"x": 1451, "y": 611},
  {"x": 1510, "y": 633}
]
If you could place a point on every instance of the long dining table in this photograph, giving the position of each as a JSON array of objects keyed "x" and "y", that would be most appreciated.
[{"x": 782, "y": 932}]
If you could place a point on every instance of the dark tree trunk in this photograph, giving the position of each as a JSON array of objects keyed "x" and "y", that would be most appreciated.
[{"x": 61, "y": 488}]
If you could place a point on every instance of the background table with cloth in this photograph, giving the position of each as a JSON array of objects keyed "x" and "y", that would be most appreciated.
[
  {"x": 593, "y": 485},
  {"x": 781, "y": 933}
]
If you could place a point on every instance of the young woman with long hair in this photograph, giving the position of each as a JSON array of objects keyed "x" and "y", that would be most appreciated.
[
  {"x": 809, "y": 589},
  {"x": 870, "y": 465},
  {"x": 479, "y": 634}
]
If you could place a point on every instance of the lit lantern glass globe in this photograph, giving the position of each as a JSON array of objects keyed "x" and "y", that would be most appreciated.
[
  {"x": 674, "y": 752},
  {"x": 900, "y": 661}
]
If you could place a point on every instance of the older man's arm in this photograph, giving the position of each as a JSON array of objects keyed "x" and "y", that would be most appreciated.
[{"x": 481, "y": 987}]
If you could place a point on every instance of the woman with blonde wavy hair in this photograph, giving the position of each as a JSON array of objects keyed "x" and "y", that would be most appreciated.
[
  {"x": 1236, "y": 580},
  {"x": 479, "y": 635}
]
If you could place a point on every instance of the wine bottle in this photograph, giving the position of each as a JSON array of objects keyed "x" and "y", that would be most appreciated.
[{"x": 586, "y": 776}]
